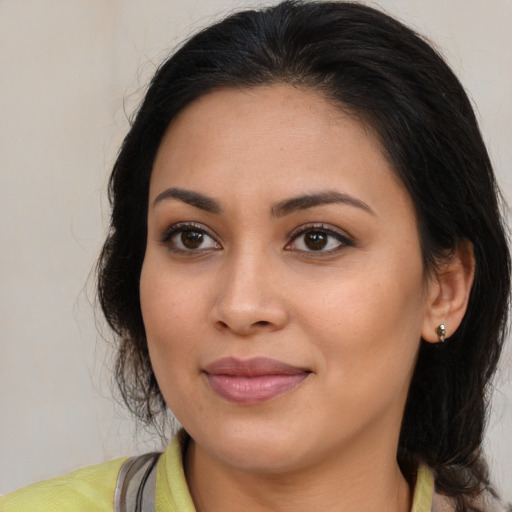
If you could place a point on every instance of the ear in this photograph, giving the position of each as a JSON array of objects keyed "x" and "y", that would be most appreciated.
[{"x": 448, "y": 292}]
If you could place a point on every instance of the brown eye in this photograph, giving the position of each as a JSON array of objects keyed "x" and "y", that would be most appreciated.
[
  {"x": 187, "y": 238},
  {"x": 318, "y": 239},
  {"x": 315, "y": 240},
  {"x": 192, "y": 239}
]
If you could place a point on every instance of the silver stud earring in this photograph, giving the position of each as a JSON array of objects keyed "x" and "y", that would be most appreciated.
[{"x": 441, "y": 333}]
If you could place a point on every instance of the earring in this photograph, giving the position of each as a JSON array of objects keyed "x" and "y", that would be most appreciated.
[{"x": 441, "y": 333}]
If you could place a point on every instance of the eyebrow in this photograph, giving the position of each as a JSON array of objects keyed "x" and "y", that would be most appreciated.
[
  {"x": 281, "y": 209},
  {"x": 306, "y": 201},
  {"x": 192, "y": 198}
]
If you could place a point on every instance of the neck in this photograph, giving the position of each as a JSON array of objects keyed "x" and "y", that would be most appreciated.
[{"x": 352, "y": 482}]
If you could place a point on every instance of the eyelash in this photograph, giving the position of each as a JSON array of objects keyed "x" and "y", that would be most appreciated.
[
  {"x": 343, "y": 239},
  {"x": 183, "y": 227}
]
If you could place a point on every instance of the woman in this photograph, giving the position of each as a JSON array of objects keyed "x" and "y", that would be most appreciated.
[{"x": 308, "y": 267}]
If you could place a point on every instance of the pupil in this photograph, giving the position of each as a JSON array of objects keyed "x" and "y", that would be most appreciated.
[
  {"x": 316, "y": 240},
  {"x": 192, "y": 239}
]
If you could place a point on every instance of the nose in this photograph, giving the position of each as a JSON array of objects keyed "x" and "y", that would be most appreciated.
[{"x": 248, "y": 297}]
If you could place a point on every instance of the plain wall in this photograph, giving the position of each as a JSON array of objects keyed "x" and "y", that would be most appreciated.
[{"x": 70, "y": 71}]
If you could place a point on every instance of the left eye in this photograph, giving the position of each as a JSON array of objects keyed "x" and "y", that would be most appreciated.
[{"x": 317, "y": 240}]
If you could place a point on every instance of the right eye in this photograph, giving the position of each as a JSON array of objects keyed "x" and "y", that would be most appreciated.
[{"x": 188, "y": 238}]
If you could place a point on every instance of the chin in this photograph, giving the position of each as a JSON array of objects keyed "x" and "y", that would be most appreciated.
[
  {"x": 259, "y": 458},
  {"x": 252, "y": 449}
]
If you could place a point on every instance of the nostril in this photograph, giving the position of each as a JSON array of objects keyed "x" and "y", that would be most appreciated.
[{"x": 260, "y": 324}]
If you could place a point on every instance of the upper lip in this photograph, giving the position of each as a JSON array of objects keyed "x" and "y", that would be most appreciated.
[{"x": 253, "y": 367}]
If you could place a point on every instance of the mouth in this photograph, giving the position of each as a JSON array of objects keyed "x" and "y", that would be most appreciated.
[{"x": 252, "y": 381}]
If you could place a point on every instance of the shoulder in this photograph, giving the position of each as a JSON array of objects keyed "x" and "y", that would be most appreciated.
[{"x": 87, "y": 489}]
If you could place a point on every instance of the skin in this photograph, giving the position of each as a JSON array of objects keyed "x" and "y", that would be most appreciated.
[{"x": 351, "y": 313}]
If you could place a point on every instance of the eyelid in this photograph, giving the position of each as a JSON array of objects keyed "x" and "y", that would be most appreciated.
[
  {"x": 165, "y": 238},
  {"x": 342, "y": 236}
]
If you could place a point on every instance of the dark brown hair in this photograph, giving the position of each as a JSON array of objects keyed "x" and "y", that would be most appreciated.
[{"x": 393, "y": 80}]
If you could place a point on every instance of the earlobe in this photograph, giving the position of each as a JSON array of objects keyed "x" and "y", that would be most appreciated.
[{"x": 448, "y": 296}]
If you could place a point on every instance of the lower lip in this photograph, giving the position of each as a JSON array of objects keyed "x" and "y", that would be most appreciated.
[{"x": 254, "y": 390}]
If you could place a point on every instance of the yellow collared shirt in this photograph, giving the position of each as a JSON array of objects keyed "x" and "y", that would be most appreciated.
[{"x": 91, "y": 489}]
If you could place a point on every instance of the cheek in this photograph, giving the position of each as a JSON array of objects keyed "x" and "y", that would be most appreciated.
[
  {"x": 170, "y": 302},
  {"x": 368, "y": 330},
  {"x": 170, "y": 310},
  {"x": 365, "y": 303}
]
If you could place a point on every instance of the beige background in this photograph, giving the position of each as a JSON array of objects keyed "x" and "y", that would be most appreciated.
[{"x": 70, "y": 70}]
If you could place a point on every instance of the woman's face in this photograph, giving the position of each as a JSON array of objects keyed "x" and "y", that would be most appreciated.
[{"x": 282, "y": 289}]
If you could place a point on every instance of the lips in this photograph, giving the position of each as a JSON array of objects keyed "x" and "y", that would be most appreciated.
[{"x": 252, "y": 381}]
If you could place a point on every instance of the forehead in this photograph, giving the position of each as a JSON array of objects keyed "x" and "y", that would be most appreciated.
[{"x": 274, "y": 139}]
